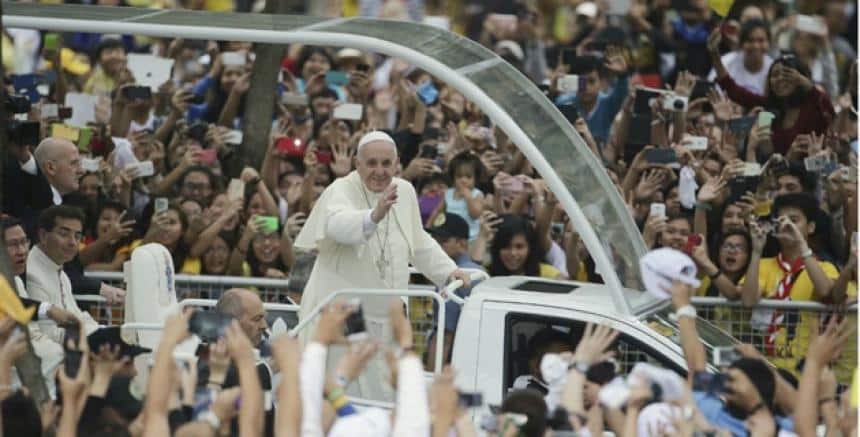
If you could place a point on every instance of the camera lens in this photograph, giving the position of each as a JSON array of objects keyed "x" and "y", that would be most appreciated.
[{"x": 678, "y": 104}]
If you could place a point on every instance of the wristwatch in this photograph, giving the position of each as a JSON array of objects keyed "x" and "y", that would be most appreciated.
[
  {"x": 579, "y": 366},
  {"x": 211, "y": 418},
  {"x": 684, "y": 311}
]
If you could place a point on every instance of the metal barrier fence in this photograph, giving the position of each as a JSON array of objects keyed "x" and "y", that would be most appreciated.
[
  {"x": 779, "y": 329},
  {"x": 782, "y": 330}
]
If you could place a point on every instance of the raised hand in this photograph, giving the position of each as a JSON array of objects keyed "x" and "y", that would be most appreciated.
[
  {"x": 615, "y": 62},
  {"x": 330, "y": 327},
  {"x": 723, "y": 107},
  {"x": 594, "y": 344},
  {"x": 711, "y": 190},
  {"x": 352, "y": 363},
  {"x": 341, "y": 163},
  {"x": 759, "y": 237},
  {"x": 388, "y": 199},
  {"x": 684, "y": 83}
]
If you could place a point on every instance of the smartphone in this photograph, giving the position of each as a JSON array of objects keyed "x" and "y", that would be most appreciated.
[
  {"x": 267, "y": 223},
  {"x": 348, "y": 111},
  {"x": 693, "y": 240},
  {"x": 470, "y": 400},
  {"x": 145, "y": 169},
  {"x": 643, "y": 99},
  {"x": 429, "y": 151},
  {"x": 208, "y": 156},
  {"x": 765, "y": 118},
  {"x": 724, "y": 356},
  {"x": 288, "y": 146},
  {"x": 294, "y": 99},
  {"x": 72, "y": 334},
  {"x": 658, "y": 210},
  {"x": 739, "y": 186},
  {"x": 91, "y": 165},
  {"x": 697, "y": 143},
  {"x": 196, "y": 99},
  {"x": 236, "y": 190},
  {"x": 209, "y": 325},
  {"x": 72, "y": 362},
  {"x": 810, "y": 24},
  {"x": 570, "y": 112},
  {"x": 777, "y": 164},
  {"x": 661, "y": 156},
  {"x": 324, "y": 157},
  {"x": 85, "y": 137},
  {"x": 234, "y": 137},
  {"x": 60, "y": 130},
  {"x": 64, "y": 112},
  {"x": 49, "y": 110},
  {"x": 701, "y": 89},
  {"x": 137, "y": 92},
  {"x": 427, "y": 93},
  {"x": 161, "y": 204},
  {"x": 52, "y": 41},
  {"x": 815, "y": 163},
  {"x": 355, "y": 329},
  {"x": 751, "y": 169},
  {"x": 233, "y": 59},
  {"x": 569, "y": 83},
  {"x": 197, "y": 131},
  {"x": 337, "y": 78}
]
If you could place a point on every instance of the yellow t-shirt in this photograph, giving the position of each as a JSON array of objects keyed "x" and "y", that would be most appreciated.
[
  {"x": 728, "y": 319},
  {"x": 191, "y": 265},
  {"x": 99, "y": 84},
  {"x": 792, "y": 338},
  {"x": 548, "y": 271}
]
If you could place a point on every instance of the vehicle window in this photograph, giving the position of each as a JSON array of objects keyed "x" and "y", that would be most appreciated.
[
  {"x": 529, "y": 336},
  {"x": 710, "y": 335}
]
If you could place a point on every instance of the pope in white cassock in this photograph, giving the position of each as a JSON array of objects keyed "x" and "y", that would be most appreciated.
[{"x": 367, "y": 229}]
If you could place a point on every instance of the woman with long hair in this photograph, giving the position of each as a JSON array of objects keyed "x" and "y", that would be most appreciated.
[
  {"x": 514, "y": 251},
  {"x": 799, "y": 108}
]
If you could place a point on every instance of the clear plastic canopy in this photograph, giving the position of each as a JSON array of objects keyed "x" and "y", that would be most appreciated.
[{"x": 510, "y": 99}]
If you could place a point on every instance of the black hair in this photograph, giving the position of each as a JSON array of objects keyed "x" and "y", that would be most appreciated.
[
  {"x": 798, "y": 96},
  {"x": 306, "y": 53},
  {"x": 230, "y": 240},
  {"x": 510, "y": 227},
  {"x": 48, "y": 218},
  {"x": 213, "y": 180},
  {"x": 601, "y": 373},
  {"x": 760, "y": 376},
  {"x": 9, "y": 222},
  {"x": 107, "y": 44},
  {"x": 465, "y": 158},
  {"x": 807, "y": 180},
  {"x": 749, "y": 26},
  {"x": 587, "y": 64},
  {"x": 529, "y": 402},
  {"x": 542, "y": 340},
  {"x": 805, "y": 202},
  {"x": 21, "y": 416}
]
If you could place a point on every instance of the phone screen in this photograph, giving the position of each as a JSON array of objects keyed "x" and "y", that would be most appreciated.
[
  {"x": 209, "y": 325},
  {"x": 354, "y": 328}
]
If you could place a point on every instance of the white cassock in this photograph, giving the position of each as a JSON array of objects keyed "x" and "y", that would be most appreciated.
[
  {"x": 350, "y": 258},
  {"x": 49, "y": 351}
]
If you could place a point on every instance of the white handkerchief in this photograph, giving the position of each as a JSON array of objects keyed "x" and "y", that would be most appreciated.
[{"x": 687, "y": 187}]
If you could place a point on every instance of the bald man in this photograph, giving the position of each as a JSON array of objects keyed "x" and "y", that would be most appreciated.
[
  {"x": 246, "y": 307},
  {"x": 367, "y": 229},
  {"x": 42, "y": 179}
]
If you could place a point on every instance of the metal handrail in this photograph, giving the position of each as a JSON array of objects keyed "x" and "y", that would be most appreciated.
[
  {"x": 769, "y": 304},
  {"x": 202, "y": 279}
]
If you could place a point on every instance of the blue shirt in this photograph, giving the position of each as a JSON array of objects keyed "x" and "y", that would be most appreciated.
[
  {"x": 714, "y": 410},
  {"x": 608, "y": 104},
  {"x": 452, "y": 309}
]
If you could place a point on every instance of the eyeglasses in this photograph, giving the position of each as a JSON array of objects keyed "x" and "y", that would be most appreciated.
[
  {"x": 24, "y": 242},
  {"x": 263, "y": 238},
  {"x": 68, "y": 233}
]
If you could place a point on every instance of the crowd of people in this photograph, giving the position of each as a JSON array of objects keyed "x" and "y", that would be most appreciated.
[{"x": 731, "y": 137}]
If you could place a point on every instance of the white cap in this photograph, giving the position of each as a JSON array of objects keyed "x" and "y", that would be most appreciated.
[
  {"x": 349, "y": 53},
  {"x": 662, "y": 266},
  {"x": 589, "y": 9},
  {"x": 375, "y": 136},
  {"x": 370, "y": 422},
  {"x": 510, "y": 46}
]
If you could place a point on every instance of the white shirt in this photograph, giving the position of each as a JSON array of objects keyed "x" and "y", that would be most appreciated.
[
  {"x": 47, "y": 282},
  {"x": 752, "y": 81}
]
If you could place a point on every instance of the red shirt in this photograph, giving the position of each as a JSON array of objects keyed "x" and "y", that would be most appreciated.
[{"x": 816, "y": 113}]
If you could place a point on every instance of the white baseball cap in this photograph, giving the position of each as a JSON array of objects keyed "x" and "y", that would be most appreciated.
[{"x": 660, "y": 267}]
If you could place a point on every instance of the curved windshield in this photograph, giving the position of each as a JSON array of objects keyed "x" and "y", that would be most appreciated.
[{"x": 710, "y": 335}]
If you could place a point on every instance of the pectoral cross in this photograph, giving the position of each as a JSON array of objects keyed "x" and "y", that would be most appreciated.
[{"x": 382, "y": 266}]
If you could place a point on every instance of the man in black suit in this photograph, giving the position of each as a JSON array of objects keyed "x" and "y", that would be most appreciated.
[{"x": 40, "y": 180}]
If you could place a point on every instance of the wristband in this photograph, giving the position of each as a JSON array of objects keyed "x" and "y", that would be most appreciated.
[
  {"x": 210, "y": 418},
  {"x": 346, "y": 410},
  {"x": 334, "y": 394},
  {"x": 703, "y": 206},
  {"x": 684, "y": 311},
  {"x": 338, "y": 403},
  {"x": 579, "y": 366},
  {"x": 716, "y": 274}
]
